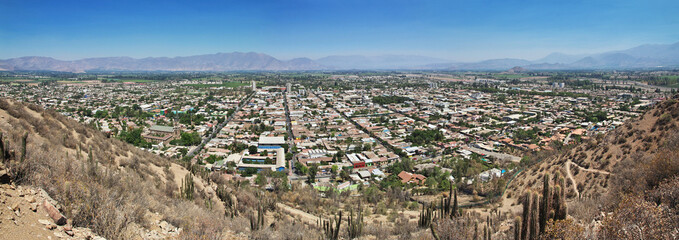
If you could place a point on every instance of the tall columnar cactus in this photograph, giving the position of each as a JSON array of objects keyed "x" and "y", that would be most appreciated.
[
  {"x": 331, "y": 227},
  {"x": 2, "y": 148},
  {"x": 355, "y": 224},
  {"x": 90, "y": 157},
  {"x": 187, "y": 187},
  {"x": 257, "y": 222},
  {"x": 534, "y": 223},
  {"x": 230, "y": 201},
  {"x": 489, "y": 227},
  {"x": 445, "y": 206},
  {"x": 23, "y": 146},
  {"x": 426, "y": 216},
  {"x": 517, "y": 228},
  {"x": 561, "y": 212},
  {"x": 545, "y": 205},
  {"x": 433, "y": 232},
  {"x": 526, "y": 215},
  {"x": 455, "y": 206},
  {"x": 537, "y": 210}
]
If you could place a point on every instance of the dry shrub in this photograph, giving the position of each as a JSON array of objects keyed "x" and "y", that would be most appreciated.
[
  {"x": 667, "y": 193},
  {"x": 458, "y": 228},
  {"x": 664, "y": 165},
  {"x": 112, "y": 201},
  {"x": 402, "y": 228},
  {"x": 565, "y": 229},
  {"x": 636, "y": 218},
  {"x": 584, "y": 209}
]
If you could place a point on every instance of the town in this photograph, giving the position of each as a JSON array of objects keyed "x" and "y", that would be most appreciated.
[{"x": 350, "y": 132}]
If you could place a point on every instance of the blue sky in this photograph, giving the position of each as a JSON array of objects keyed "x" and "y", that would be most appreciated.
[{"x": 456, "y": 30}]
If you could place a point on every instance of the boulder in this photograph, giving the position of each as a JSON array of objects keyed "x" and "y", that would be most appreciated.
[
  {"x": 54, "y": 213},
  {"x": 4, "y": 177}
]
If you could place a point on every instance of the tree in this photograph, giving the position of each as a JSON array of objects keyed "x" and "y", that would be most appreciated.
[
  {"x": 252, "y": 150},
  {"x": 260, "y": 179},
  {"x": 333, "y": 170},
  {"x": 344, "y": 174},
  {"x": 183, "y": 151},
  {"x": 311, "y": 173},
  {"x": 134, "y": 137}
]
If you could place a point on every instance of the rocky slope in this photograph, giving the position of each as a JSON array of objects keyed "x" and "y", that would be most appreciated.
[
  {"x": 590, "y": 166},
  {"x": 99, "y": 183}
]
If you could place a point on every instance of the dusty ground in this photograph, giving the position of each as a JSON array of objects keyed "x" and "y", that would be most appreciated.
[{"x": 22, "y": 216}]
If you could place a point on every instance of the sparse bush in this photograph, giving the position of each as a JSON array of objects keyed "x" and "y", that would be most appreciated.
[{"x": 635, "y": 218}]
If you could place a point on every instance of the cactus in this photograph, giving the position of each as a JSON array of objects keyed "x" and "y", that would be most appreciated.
[
  {"x": 526, "y": 216},
  {"x": 517, "y": 228},
  {"x": 433, "y": 232},
  {"x": 23, "y": 146},
  {"x": 355, "y": 224},
  {"x": 455, "y": 206},
  {"x": 489, "y": 228},
  {"x": 2, "y": 148},
  {"x": 445, "y": 204},
  {"x": 426, "y": 216},
  {"x": 534, "y": 223},
  {"x": 545, "y": 204},
  {"x": 448, "y": 199},
  {"x": 537, "y": 210},
  {"x": 561, "y": 211},
  {"x": 90, "y": 158},
  {"x": 230, "y": 202},
  {"x": 331, "y": 227},
  {"x": 257, "y": 223},
  {"x": 187, "y": 187}
]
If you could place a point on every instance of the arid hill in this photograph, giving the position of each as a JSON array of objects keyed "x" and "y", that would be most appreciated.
[
  {"x": 621, "y": 185},
  {"x": 589, "y": 166},
  {"x": 100, "y": 183}
]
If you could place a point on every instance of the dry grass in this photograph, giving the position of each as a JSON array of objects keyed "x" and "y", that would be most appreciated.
[{"x": 74, "y": 164}]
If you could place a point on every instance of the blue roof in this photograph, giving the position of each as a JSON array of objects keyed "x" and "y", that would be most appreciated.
[{"x": 268, "y": 147}]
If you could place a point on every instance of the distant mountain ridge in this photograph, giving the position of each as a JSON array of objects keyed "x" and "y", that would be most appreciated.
[
  {"x": 644, "y": 56},
  {"x": 209, "y": 62}
]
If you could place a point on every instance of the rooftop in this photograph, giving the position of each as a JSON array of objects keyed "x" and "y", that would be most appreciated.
[
  {"x": 159, "y": 128},
  {"x": 271, "y": 140}
]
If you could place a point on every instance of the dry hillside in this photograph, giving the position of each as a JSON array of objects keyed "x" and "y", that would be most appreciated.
[
  {"x": 590, "y": 166},
  {"x": 110, "y": 187}
]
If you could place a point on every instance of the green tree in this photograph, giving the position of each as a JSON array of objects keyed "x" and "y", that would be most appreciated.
[
  {"x": 311, "y": 173},
  {"x": 252, "y": 150}
]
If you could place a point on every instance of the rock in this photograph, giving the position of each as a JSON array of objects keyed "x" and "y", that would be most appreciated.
[
  {"x": 165, "y": 226},
  {"x": 34, "y": 207},
  {"x": 4, "y": 177},
  {"x": 30, "y": 199},
  {"x": 54, "y": 213},
  {"x": 15, "y": 206},
  {"x": 59, "y": 234},
  {"x": 51, "y": 226},
  {"x": 44, "y": 221},
  {"x": 70, "y": 233},
  {"x": 68, "y": 228}
]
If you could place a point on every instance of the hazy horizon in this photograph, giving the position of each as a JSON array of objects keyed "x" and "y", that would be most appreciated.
[{"x": 454, "y": 31}]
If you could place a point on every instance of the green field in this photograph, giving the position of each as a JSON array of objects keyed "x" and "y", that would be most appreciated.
[
  {"x": 227, "y": 84},
  {"x": 135, "y": 80},
  {"x": 510, "y": 76}
]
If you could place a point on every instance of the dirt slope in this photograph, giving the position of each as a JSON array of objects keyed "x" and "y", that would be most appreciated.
[
  {"x": 104, "y": 184},
  {"x": 589, "y": 166}
]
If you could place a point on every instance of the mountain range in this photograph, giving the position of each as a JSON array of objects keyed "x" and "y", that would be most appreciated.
[{"x": 644, "y": 56}]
